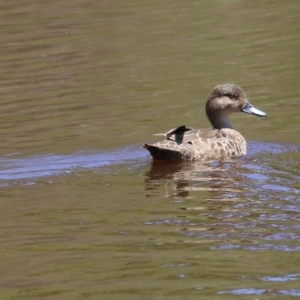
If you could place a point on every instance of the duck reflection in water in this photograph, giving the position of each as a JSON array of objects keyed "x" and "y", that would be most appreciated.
[{"x": 178, "y": 179}]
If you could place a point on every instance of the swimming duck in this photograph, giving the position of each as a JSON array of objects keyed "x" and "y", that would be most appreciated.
[{"x": 222, "y": 141}]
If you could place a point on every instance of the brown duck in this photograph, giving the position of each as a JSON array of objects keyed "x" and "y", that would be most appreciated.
[{"x": 185, "y": 143}]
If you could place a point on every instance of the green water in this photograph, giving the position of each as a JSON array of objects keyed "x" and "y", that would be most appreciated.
[{"x": 82, "y": 220}]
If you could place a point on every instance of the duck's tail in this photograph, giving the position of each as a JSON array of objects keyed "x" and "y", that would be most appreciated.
[{"x": 159, "y": 153}]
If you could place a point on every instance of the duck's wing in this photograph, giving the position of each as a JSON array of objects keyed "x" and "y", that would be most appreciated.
[
  {"x": 175, "y": 131},
  {"x": 184, "y": 134},
  {"x": 190, "y": 135}
]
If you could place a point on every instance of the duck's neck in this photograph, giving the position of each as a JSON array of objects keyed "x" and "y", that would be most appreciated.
[{"x": 220, "y": 121}]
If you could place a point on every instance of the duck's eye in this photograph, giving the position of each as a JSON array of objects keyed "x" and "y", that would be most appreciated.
[{"x": 231, "y": 96}]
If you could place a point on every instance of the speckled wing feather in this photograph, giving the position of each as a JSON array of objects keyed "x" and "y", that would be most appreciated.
[{"x": 198, "y": 144}]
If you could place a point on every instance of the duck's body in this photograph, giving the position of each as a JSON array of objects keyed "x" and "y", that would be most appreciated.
[{"x": 184, "y": 143}]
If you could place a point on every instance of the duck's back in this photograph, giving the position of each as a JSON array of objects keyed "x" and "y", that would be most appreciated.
[{"x": 184, "y": 143}]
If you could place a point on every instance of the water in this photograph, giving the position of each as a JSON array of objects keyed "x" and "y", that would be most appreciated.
[{"x": 85, "y": 214}]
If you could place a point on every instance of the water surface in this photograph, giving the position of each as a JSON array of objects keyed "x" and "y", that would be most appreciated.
[{"x": 84, "y": 212}]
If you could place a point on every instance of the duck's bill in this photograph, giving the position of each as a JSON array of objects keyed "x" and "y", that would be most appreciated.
[{"x": 249, "y": 109}]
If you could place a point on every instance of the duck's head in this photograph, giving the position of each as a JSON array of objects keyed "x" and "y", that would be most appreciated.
[{"x": 225, "y": 99}]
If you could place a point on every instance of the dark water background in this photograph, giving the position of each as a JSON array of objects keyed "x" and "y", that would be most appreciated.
[{"x": 84, "y": 212}]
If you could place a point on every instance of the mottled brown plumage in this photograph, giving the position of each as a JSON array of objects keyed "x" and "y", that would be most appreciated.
[{"x": 185, "y": 143}]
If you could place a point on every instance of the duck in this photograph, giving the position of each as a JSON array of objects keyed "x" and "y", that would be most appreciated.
[{"x": 217, "y": 143}]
